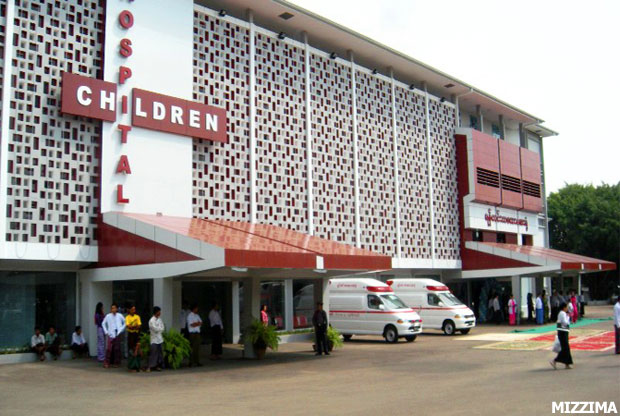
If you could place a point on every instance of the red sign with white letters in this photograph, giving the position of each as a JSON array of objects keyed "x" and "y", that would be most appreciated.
[{"x": 89, "y": 97}]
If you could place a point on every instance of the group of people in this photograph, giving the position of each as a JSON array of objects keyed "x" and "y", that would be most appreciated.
[
  {"x": 545, "y": 310},
  {"x": 51, "y": 343},
  {"x": 111, "y": 326}
]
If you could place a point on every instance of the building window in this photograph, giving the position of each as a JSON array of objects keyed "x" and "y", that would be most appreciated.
[
  {"x": 272, "y": 295},
  {"x": 303, "y": 303},
  {"x": 473, "y": 122},
  {"x": 35, "y": 299},
  {"x": 501, "y": 238},
  {"x": 477, "y": 235},
  {"x": 495, "y": 131},
  {"x": 527, "y": 240}
]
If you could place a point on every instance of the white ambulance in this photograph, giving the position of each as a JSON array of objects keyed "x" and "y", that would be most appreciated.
[
  {"x": 359, "y": 306},
  {"x": 439, "y": 308}
]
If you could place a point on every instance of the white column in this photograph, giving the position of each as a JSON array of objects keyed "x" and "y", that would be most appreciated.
[
  {"x": 325, "y": 287},
  {"x": 310, "y": 184},
  {"x": 91, "y": 293},
  {"x": 162, "y": 297},
  {"x": 251, "y": 306},
  {"x": 236, "y": 324},
  {"x": 6, "y": 111},
  {"x": 396, "y": 170},
  {"x": 429, "y": 157},
  {"x": 252, "y": 118},
  {"x": 288, "y": 305},
  {"x": 355, "y": 155},
  {"x": 177, "y": 300}
]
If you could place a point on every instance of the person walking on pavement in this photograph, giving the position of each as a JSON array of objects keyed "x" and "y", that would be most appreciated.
[
  {"x": 319, "y": 321},
  {"x": 530, "y": 307},
  {"x": 563, "y": 330},
  {"x": 617, "y": 324},
  {"x": 194, "y": 322}
]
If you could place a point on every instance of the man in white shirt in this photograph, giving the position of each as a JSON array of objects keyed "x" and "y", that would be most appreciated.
[
  {"x": 79, "y": 346},
  {"x": 113, "y": 326},
  {"x": 193, "y": 327},
  {"x": 617, "y": 324},
  {"x": 156, "y": 327},
  {"x": 217, "y": 329},
  {"x": 37, "y": 343}
]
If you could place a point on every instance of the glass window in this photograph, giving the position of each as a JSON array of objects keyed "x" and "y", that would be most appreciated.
[
  {"x": 473, "y": 122},
  {"x": 495, "y": 131},
  {"x": 272, "y": 295},
  {"x": 477, "y": 235},
  {"x": 501, "y": 237},
  {"x": 35, "y": 299},
  {"x": 449, "y": 299},
  {"x": 433, "y": 300},
  {"x": 134, "y": 292},
  {"x": 393, "y": 302},
  {"x": 303, "y": 303},
  {"x": 374, "y": 302}
]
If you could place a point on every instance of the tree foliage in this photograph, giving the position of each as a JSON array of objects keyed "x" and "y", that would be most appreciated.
[{"x": 585, "y": 220}]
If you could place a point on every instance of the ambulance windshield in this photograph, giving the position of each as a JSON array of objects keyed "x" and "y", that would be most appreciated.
[
  {"x": 393, "y": 302},
  {"x": 449, "y": 299}
]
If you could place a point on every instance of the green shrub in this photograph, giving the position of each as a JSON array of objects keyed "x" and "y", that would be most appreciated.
[
  {"x": 176, "y": 347},
  {"x": 263, "y": 336},
  {"x": 333, "y": 337}
]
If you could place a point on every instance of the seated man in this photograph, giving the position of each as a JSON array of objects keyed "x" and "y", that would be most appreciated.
[
  {"x": 37, "y": 343},
  {"x": 78, "y": 343},
  {"x": 52, "y": 342}
]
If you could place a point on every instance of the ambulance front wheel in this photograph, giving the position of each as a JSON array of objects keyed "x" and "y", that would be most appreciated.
[
  {"x": 410, "y": 338},
  {"x": 390, "y": 334},
  {"x": 449, "y": 328}
]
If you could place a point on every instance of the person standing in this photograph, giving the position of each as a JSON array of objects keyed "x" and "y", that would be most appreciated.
[
  {"x": 319, "y": 321},
  {"x": 563, "y": 330},
  {"x": 79, "y": 346},
  {"x": 194, "y": 322},
  {"x": 264, "y": 316},
  {"x": 545, "y": 300},
  {"x": 539, "y": 310},
  {"x": 217, "y": 330},
  {"x": 512, "y": 310},
  {"x": 497, "y": 310},
  {"x": 183, "y": 319},
  {"x": 617, "y": 324},
  {"x": 37, "y": 343},
  {"x": 133, "y": 324},
  {"x": 555, "y": 306},
  {"x": 52, "y": 342},
  {"x": 575, "y": 308},
  {"x": 156, "y": 327},
  {"x": 530, "y": 307},
  {"x": 113, "y": 326},
  {"x": 99, "y": 317}
]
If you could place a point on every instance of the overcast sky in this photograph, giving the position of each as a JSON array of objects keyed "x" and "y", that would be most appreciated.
[{"x": 556, "y": 59}]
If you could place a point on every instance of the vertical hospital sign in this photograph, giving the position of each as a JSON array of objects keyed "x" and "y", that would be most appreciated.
[{"x": 97, "y": 99}]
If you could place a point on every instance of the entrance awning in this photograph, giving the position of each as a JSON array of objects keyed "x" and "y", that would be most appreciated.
[
  {"x": 515, "y": 259},
  {"x": 138, "y": 239}
]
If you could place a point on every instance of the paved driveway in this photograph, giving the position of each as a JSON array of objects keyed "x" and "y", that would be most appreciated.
[{"x": 435, "y": 375}]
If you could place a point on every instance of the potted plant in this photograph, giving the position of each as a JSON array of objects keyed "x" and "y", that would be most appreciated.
[
  {"x": 262, "y": 337},
  {"x": 176, "y": 348},
  {"x": 334, "y": 339}
]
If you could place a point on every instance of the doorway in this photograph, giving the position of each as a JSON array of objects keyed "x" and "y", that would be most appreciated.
[{"x": 204, "y": 294}]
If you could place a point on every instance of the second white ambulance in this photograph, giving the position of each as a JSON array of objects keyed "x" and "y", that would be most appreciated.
[
  {"x": 437, "y": 306},
  {"x": 369, "y": 307}
]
